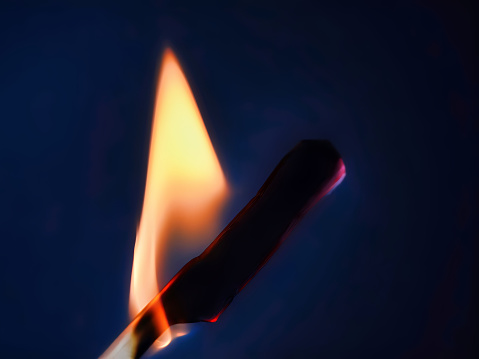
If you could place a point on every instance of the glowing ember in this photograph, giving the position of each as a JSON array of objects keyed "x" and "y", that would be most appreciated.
[{"x": 185, "y": 185}]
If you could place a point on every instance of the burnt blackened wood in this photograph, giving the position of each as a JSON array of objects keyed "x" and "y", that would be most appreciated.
[{"x": 207, "y": 284}]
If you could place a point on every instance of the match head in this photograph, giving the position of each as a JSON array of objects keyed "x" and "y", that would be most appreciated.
[{"x": 207, "y": 284}]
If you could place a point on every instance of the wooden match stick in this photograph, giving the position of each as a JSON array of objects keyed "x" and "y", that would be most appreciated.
[{"x": 207, "y": 284}]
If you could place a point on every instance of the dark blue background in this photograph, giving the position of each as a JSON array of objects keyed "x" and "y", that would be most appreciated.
[{"x": 385, "y": 267}]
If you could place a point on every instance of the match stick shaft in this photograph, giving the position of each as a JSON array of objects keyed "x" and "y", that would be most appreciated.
[{"x": 140, "y": 334}]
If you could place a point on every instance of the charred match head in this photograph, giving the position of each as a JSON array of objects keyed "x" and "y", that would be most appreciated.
[{"x": 207, "y": 284}]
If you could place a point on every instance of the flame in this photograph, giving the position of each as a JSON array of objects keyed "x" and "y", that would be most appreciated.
[
  {"x": 174, "y": 331},
  {"x": 185, "y": 185}
]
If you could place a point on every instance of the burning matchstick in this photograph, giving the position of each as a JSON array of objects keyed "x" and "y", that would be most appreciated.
[{"x": 207, "y": 284}]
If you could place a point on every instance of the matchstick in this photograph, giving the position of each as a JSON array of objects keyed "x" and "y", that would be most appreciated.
[{"x": 207, "y": 284}]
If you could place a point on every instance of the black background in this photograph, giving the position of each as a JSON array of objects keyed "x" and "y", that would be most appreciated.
[{"x": 385, "y": 267}]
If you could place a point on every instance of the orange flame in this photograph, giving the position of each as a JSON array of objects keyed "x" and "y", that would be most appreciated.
[{"x": 185, "y": 185}]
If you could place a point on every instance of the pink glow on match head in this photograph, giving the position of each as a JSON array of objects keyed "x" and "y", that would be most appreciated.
[{"x": 338, "y": 178}]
